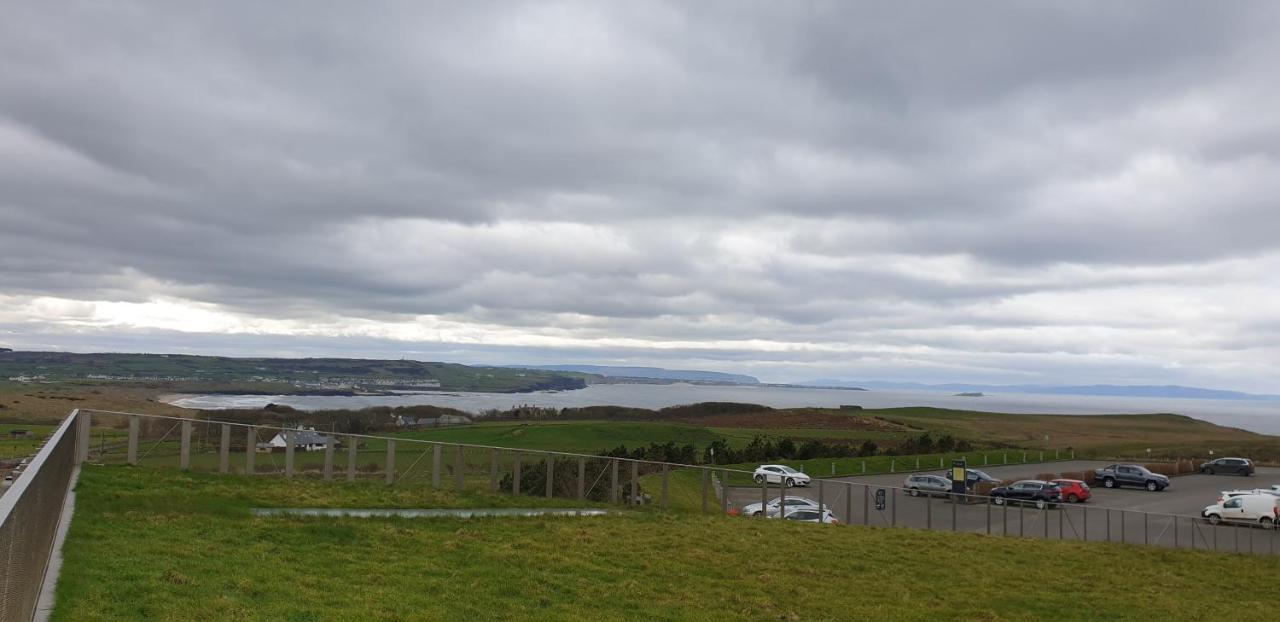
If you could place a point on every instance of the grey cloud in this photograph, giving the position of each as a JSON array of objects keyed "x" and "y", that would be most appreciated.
[{"x": 653, "y": 171}]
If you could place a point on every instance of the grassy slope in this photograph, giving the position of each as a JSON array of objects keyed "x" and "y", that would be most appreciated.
[{"x": 160, "y": 545}]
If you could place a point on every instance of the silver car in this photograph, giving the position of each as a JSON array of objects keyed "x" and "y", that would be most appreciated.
[
  {"x": 775, "y": 506},
  {"x": 917, "y": 485},
  {"x": 811, "y": 515}
]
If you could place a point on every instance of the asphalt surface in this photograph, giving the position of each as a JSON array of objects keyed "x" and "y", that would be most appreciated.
[{"x": 1112, "y": 514}]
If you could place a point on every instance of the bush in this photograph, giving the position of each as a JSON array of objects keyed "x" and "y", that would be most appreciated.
[
  {"x": 1046, "y": 476},
  {"x": 1084, "y": 476}
]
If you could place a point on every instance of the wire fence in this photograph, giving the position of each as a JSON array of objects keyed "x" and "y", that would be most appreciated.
[
  {"x": 29, "y": 513},
  {"x": 214, "y": 446}
]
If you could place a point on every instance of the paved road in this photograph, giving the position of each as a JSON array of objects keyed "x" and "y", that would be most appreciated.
[{"x": 1111, "y": 514}]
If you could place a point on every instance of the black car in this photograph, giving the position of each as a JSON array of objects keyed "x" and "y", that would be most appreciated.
[
  {"x": 1035, "y": 492},
  {"x": 1234, "y": 466}
]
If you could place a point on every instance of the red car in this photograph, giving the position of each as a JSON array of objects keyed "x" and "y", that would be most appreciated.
[{"x": 1073, "y": 490}]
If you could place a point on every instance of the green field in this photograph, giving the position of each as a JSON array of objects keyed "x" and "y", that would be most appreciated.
[{"x": 152, "y": 544}]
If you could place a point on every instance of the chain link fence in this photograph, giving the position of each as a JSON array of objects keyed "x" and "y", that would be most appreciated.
[{"x": 204, "y": 445}]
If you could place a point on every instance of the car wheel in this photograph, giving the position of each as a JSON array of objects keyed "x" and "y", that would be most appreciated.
[
  {"x": 1041, "y": 504},
  {"x": 791, "y": 483},
  {"x": 1266, "y": 522},
  {"x": 914, "y": 492},
  {"x": 1214, "y": 519},
  {"x": 1209, "y": 472},
  {"x": 1072, "y": 498},
  {"x": 759, "y": 479},
  {"x": 1152, "y": 486},
  {"x": 997, "y": 500},
  {"x": 757, "y": 513},
  {"x": 1109, "y": 482}
]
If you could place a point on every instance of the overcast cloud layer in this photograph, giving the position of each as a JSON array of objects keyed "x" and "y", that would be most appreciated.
[{"x": 974, "y": 192}]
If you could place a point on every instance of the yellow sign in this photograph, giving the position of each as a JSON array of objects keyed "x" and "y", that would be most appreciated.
[{"x": 957, "y": 474}]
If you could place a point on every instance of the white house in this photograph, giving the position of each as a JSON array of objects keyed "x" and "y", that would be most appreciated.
[{"x": 305, "y": 440}]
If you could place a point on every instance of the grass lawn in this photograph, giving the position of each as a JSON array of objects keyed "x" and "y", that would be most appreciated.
[
  {"x": 153, "y": 544},
  {"x": 576, "y": 436}
]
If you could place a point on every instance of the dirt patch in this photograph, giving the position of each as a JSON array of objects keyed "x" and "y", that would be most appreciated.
[{"x": 803, "y": 418}]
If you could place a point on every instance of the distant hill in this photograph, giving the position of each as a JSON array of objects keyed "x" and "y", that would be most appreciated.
[
  {"x": 656, "y": 373},
  {"x": 1171, "y": 391},
  {"x": 250, "y": 375}
]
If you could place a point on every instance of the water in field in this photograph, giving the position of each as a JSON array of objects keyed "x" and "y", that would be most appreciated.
[{"x": 1256, "y": 416}]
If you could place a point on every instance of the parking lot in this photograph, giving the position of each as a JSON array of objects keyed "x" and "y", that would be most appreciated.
[{"x": 1168, "y": 517}]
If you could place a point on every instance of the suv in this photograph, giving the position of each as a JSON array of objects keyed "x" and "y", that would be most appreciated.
[
  {"x": 1073, "y": 490},
  {"x": 1118, "y": 475},
  {"x": 1028, "y": 491},
  {"x": 1263, "y": 510},
  {"x": 779, "y": 474},
  {"x": 1235, "y": 466},
  {"x": 927, "y": 484}
]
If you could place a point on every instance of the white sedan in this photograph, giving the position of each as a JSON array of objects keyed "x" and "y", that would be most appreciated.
[
  {"x": 773, "y": 507},
  {"x": 779, "y": 474},
  {"x": 810, "y": 515}
]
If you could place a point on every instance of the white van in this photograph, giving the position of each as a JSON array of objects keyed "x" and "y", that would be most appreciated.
[{"x": 1263, "y": 510}]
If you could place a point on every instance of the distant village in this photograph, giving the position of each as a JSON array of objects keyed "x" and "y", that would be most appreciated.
[{"x": 327, "y": 383}]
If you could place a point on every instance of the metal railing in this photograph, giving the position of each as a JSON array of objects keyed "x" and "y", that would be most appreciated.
[
  {"x": 231, "y": 447},
  {"x": 29, "y": 513}
]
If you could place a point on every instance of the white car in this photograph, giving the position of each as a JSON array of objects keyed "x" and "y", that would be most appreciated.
[
  {"x": 1263, "y": 510},
  {"x": 779, "y": 474},
  {"x": 810, "y": 515},
  {"x": 774, "y": 506}
]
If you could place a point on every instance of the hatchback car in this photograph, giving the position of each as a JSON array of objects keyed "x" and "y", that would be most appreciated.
[
  {"x": 780, "y": 474},
  {"x": 915, "y": 485},
  {"x": 1230, "y": 466},
  {"x": 1073, "y": 490}
]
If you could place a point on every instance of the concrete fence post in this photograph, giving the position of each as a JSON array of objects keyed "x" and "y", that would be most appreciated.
[
  {"x": 184, "y": 447},
  {"x": 352, "y": 457},
  {"x": 250, "y": 449},
  {"x": 493, "y": 470},
  {"x": 635, "y": 483},
  {"x": 224, "y": 450},
  {"x": 821, "y": 501},
  {"x": 582, "y": 479},
  {"x": 864, "y": 467},
  {"x": 613, "y": 481},
  {"x": 1024, "y": 457},
  {"x": 329, "y": 442},
  {"x": 288, "y": 452},
  {"x": 706, "y": 488},
  {"x": 515, "y": 474},
  {"x": 724, "y": 491},
  {"x": 83, "y": 439},
  {"x": 460, "y": 468},
  {"x": 893, "y": 465},
  {"x": 917, "y": 463},
  {"x": 1042, "y": 455},
  {"x": 663, "y": 504},
  {"x": 435, "y": 464},
  {"x": 764, "y": 497},
  {"x": 134, "y": 423},
  {"x": 551, "y": 475},
  {"x": 391, "y": 462}
]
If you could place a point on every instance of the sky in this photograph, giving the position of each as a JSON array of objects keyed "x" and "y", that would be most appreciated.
[{"x": 999, "y": 192}]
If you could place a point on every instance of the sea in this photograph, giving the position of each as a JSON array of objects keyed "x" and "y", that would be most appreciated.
[{"x": 1256, "y": 416}]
